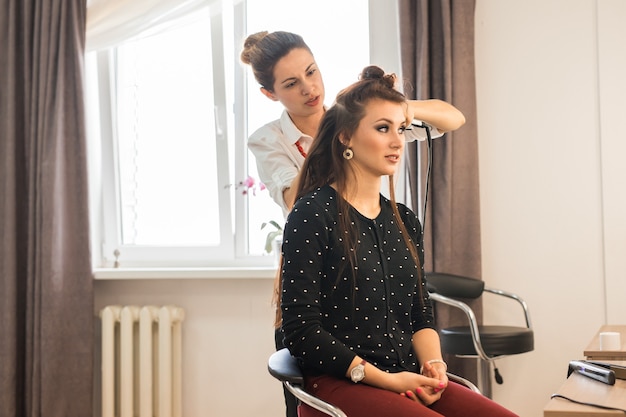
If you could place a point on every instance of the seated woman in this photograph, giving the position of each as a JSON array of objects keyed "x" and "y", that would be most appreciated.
[{"x": 354, "y": 304}]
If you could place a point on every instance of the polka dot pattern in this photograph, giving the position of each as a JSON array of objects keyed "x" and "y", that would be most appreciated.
[{"x": 329, "y": 316}]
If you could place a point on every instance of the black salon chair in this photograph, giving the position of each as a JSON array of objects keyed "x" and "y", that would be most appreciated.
[
  {"x": 284, "y": 367},
  {"x": 487, "y": 343}
]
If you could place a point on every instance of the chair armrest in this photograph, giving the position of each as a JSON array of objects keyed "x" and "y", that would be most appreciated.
[
  {"x": 466, "y": 382},
  {"x": 454, "y": 286},
  {"x": 516, "y": 298},
  {"x": 473, "y": 323},
  {"x": 314, "y": 402},
  {"x": 284, "y": 367}
]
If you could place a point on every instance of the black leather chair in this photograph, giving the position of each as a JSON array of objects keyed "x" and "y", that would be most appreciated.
[
  {"x": 487, "y": 343},
  {"x": 284, "y": 367}
]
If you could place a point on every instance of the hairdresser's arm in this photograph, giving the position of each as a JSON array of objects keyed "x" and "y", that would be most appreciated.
[
  {"x": 289, "y": 193},
  {"x": 440, "y": 114},
  {"x": 275, "y": 167}
]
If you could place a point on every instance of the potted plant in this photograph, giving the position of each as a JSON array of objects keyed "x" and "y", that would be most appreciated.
[{"x": 274, "y": 237}]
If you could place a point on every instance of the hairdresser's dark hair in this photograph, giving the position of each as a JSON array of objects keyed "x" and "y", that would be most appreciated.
[
  {"x": 325, "y": 163},
  {"x": 262, "y": 50}
]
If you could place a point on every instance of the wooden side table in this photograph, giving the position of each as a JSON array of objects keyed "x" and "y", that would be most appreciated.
[
  {"x": 582, "y": 388},
  {"x": 593, "y": 352}
]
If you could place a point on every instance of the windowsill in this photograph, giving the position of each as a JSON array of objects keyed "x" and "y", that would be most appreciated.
[{"x": 263, "y": 272}]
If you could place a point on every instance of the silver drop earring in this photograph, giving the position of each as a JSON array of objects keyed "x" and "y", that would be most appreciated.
[{"x": 348, "y": 154}]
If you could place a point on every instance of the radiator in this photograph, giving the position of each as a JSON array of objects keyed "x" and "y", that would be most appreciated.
[{"x": 141, "y": 361}]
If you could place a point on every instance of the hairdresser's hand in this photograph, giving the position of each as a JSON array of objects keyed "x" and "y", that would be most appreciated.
[
  {"x": 444, "y": 116},
  {"x": 409, "y": 112}
]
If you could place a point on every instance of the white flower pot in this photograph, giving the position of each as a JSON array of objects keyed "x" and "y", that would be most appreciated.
[{"x": 277, "y": 245}]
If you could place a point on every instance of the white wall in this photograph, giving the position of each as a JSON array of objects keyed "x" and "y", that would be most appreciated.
[
  {"x": 227, "y": 339},
  {"x": 550, "y": 103},
  {"x": 612, "y": 87}
]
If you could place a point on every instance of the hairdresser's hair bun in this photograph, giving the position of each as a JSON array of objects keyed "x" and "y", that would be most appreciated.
[{"x": 250, "y": 44}]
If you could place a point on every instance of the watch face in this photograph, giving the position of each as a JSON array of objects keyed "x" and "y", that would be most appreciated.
[{"x": 358, "y": 373}]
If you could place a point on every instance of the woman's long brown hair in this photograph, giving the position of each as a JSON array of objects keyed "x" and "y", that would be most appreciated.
[{"x": 325, "y": 163}]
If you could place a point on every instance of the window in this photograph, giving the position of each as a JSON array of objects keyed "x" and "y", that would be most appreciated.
[
  {"x": 166, "y": 196},
  {"x": 170, "y": 113},
  {"x": 166, "y": 139}
]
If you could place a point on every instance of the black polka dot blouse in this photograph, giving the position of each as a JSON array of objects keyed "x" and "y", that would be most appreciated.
[{"x": 329, "y": 316}]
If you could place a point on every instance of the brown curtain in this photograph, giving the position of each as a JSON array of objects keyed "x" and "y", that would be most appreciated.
[
  {"x": 437, "y": 46},
  {"x": 46, "y": 292}
]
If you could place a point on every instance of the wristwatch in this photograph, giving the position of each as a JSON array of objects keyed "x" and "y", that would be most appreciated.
[{"x": 358, "y": 372}]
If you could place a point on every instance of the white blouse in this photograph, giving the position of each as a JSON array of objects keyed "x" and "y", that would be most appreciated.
[{"x": 279, "y": 160}]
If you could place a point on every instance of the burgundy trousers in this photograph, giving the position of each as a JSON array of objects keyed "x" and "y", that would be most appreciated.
[{"x": 361, "y": 400}]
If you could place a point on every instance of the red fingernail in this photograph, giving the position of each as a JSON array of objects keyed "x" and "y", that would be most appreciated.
[
  {"x": 441, "y": 385},
  {"x": 418, "y": 390}
]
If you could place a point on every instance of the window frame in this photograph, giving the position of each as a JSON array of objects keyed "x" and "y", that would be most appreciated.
[
  {"x": 232, "y": 205},
  {"x": 231, "y": 119}
]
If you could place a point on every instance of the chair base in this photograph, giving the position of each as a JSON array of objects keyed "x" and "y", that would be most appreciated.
[{"x": 484, "y": 378}]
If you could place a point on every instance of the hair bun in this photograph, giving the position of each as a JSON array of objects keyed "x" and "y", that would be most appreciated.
[
  {"x": 250, "y": 44},
  {"x": 372, "y": 73}
]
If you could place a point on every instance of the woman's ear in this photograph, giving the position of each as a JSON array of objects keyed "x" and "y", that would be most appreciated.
[
  {"x": 267, "y": 93},
  {"x": 344, "y": 141}
]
